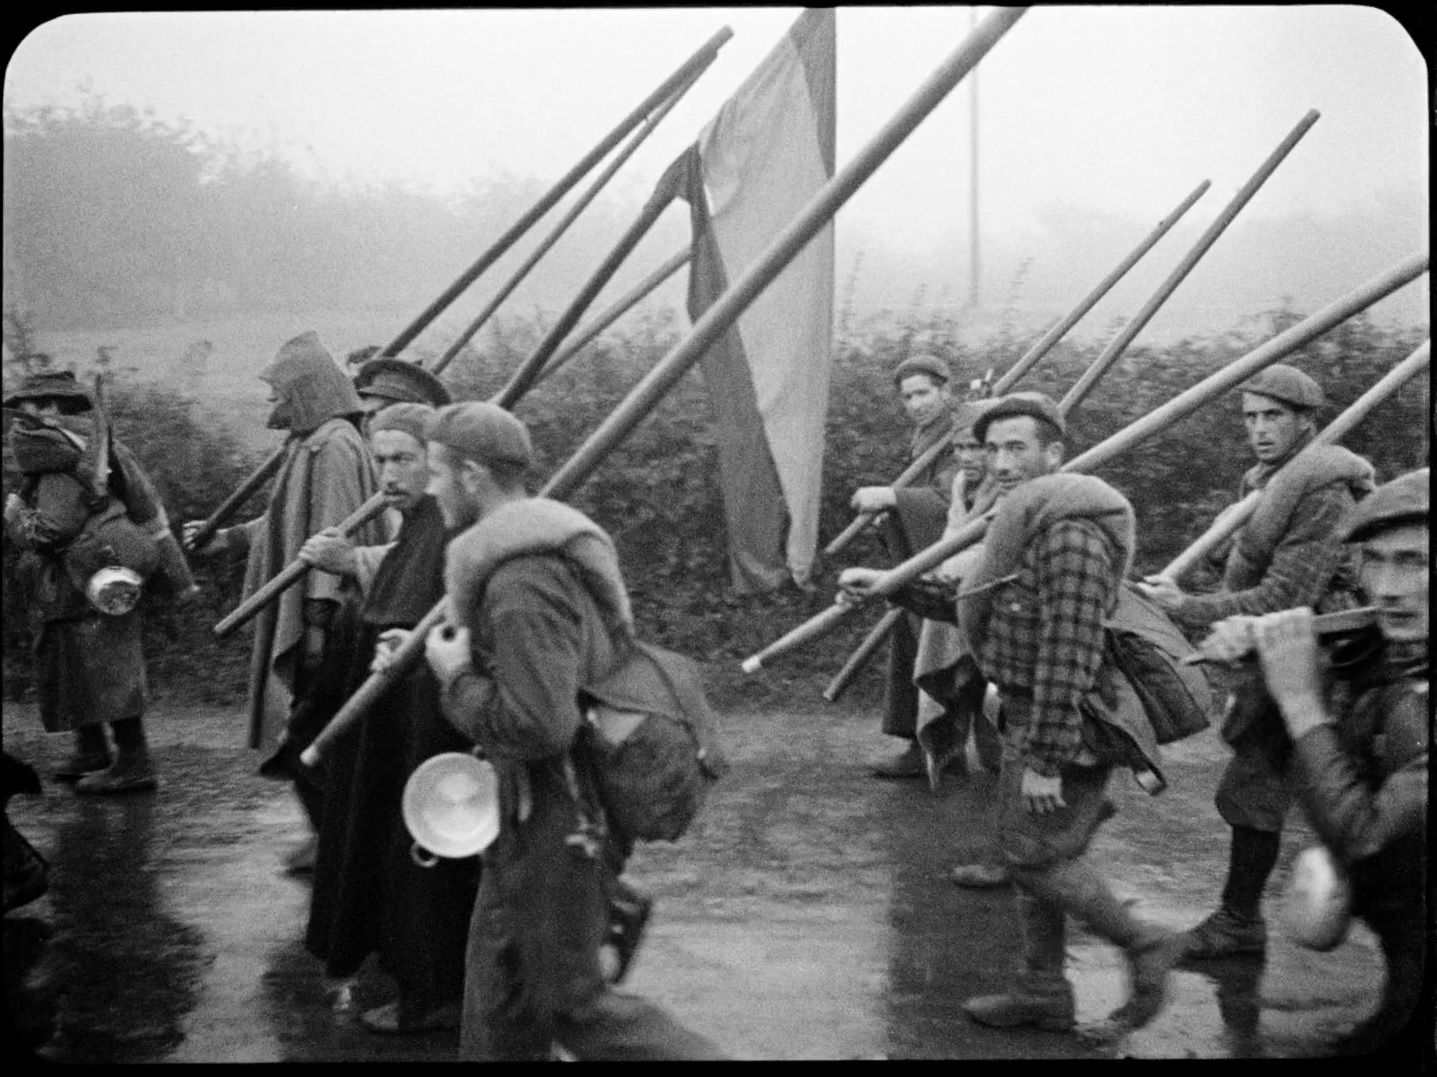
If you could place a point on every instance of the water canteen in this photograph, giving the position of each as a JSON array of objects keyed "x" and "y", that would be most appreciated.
[{"x": 1316, "y": 906}]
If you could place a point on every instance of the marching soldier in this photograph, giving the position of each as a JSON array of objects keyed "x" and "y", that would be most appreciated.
[
  {"x": 1286, "y": 555},
  {"x": 915, "y": 518},
  {"x": 1361, "y": 753},
  {"x": 326, "y": 476},
  {"x": 90, "y": 663}
]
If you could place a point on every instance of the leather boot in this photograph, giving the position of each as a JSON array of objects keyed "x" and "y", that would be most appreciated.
[
  {"x": 91, "y": 753},
  {"x": 1042, "y": 997},
  {"x": 1080, "y": 891}
]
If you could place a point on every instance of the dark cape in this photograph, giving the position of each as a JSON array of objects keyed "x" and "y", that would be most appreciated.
[{"x": 369, "y": 896}]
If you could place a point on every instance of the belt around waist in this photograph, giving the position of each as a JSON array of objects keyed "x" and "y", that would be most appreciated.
[{"x": 1015, "y": 691}]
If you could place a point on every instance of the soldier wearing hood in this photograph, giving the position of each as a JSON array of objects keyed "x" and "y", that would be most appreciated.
[
  {"x": 326, "y": 475},
  {"x": 90, "y": 665}
]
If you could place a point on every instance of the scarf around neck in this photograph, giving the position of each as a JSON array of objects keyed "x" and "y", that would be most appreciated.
[{"x": 536, "y": 525}]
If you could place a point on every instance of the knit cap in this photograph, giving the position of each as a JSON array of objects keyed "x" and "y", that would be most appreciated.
[
  {"x": 412, "y": 419},
  {"x": 482, "y": 430}
]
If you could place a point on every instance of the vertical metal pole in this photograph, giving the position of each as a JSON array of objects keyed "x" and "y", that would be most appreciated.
[{"x": 973, "y": 278}]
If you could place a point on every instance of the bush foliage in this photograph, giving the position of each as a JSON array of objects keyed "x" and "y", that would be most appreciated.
[{"x": 658, "y": 494}]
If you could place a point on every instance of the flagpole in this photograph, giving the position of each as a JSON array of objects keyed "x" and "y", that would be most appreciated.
[
  {"x": 690, "y": 69},
  {"x": 973, "y": 281},
  {"x": 715, "y": 321},
  {"x": 520, "y": 381},
  {"x": 1151, "y": 424},
  {"x": 1030, "y": 359},
  {"x": 1236, "y": 515},
  {"x": 617, "y": 310},
  {"x": 1177, "y": 276},
  {"x": 562, "y": 226}
]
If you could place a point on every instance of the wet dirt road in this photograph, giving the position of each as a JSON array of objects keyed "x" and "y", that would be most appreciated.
[{"x": 806, "y": 917}]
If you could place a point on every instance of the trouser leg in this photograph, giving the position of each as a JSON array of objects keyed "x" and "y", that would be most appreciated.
[
  {"x": 1044, "y": 941},
  {"x": 90, "y": 741},
  {"x": 1251, "y": 859},
  {"x": 1078, "y": 890},
  {"x": 900, "y": 702},
  {"x": 130, "y": 740}
]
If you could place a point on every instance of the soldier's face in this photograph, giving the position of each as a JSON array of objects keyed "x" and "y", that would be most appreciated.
[
  {"x": 1015, "y": 454},
  {"x": 281, "y": 416},
  {"x": 403, "y": 467},
  {"x": 448, "y": 486},
  {"x": 1273, "y": 428},
  {"x": 41, "y": 406},
  {"x": 1394, "y": 576},
  {"x": 968, "y": 451},
  {"x": 923, "y": 398}
]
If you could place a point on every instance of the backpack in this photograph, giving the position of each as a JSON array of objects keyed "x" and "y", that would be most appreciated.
[
  {"x": 650, "y": 742},
  {"x": 1146, "y": 649}
]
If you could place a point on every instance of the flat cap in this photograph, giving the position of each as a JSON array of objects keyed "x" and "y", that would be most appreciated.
[
  {"x": 413, "y": 419},
  {"x": 1401, "y": 501},
  {"x": 923, "y": 363},
  {"x": 1028, "y": 402},
  {"x": 400, "y": 380},
  {"x": 1286, "y": 384},
  {"x": 482, "y": 430},
  {"x": 57, "y": 385}
]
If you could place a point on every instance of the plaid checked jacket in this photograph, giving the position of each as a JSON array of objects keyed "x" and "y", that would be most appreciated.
[{"x": 1045, "y": 636}]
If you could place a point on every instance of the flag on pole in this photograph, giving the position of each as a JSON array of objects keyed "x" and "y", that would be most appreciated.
[{"x": 753, "y": 167}]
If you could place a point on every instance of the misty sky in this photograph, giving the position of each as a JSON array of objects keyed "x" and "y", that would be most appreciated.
[{"x": 1086, "y": 114}]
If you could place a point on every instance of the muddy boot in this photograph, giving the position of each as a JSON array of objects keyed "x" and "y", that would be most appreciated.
[
  {"x": 1042, "y": 997},
  {"x": 133, "y": 770},
  {"x": 1080, "y": 891},
  {"x": 1226, "y": 933},
  {"x": 92, "y": 753},
  {"x": 1236, "y": 929}
]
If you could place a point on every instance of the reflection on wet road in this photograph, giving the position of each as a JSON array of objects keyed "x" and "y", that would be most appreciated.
[{"x": 808, "y": 916}]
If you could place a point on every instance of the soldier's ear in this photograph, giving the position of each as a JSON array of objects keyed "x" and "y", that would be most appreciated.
[{"x": 1054, "y": 453}]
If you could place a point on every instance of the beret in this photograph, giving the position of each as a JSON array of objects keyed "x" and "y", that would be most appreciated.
[
  {"x": 410, "y": 418},
  {"x": 482, "y": 430},
  {"x": 399, "y": 379},
  {"x": 1286, "y": 384},
  {"x": 1038, "y": 405},
  {"x": 931, "y": 365},
  {"x": 57, "y": 385},
  {"x": 1401, "y": 501}
]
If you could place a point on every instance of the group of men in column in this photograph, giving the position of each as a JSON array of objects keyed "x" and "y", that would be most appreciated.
[
  {"x": 512, "y": 952},
  {"x": 520, "y": 955},
  {"x": 1021, "y": 618}
]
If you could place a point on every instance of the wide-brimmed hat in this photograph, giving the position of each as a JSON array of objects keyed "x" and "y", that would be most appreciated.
[{"x": 57, "y": 385}]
